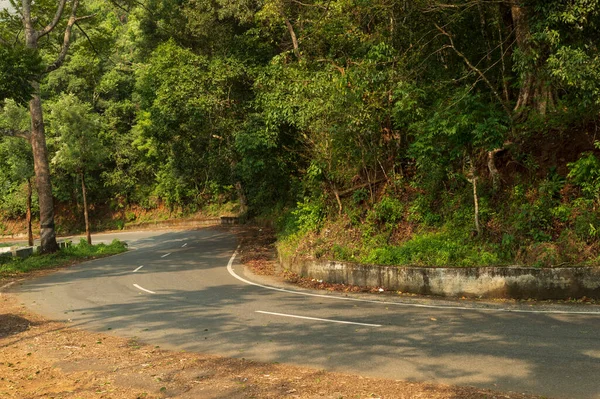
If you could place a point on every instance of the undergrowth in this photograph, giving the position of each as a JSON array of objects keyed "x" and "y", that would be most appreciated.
[{"x": 551, "y": 221}]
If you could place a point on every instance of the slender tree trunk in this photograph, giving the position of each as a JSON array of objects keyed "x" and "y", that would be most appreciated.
[
  {"x": 29, "y": 230},
  {"x": 472, "y": 178},
  {"x": 85, "y": 210},
  {"x": 476, "y": 201}
]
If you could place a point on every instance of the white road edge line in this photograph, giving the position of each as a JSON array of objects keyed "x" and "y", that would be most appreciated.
[
  {"x": 413, "y": 305},
  {"x": 165, "y": 255},
  {"x": 318, "y": 319},
  {"x": 138, "y": 268},
  {"x": 143, "y": 289},
  {"x": 184, "y": 245}
]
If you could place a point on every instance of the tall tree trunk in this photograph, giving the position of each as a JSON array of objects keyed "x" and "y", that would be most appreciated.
[
  {"x": 38, "y": 138},
  {"x": 85, "y": 210},
  {"x": 29, "y": 230},
  {"x": 535, "y": 91},
  {"x": 242, "y": 197},
  {"x": 42, "y": 175}
]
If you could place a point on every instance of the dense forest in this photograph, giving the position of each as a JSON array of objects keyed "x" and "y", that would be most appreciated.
[{"x": 437, "y": 132}]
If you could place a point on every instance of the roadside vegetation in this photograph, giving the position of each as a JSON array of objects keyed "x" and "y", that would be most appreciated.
[
  {"x": 444, "y": 133},
  {"x": 14, "y": 267}
]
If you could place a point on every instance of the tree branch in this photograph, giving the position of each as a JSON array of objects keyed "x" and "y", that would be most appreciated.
[
  {"x": 476, "y": 70},
  {"x": 24, "y": 134},
  {"x": 73, "y": 19},
  {"x": 90, "y": 41},
  {"x": 308, "y": 5},
  {"x": 293, "y": 35},
  {"x": 54, "y": 22}
]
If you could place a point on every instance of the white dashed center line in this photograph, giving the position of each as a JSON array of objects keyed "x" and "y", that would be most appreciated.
[
  {"x": 165, "y": 255},
  {"x": 138, "y": 268},
  {"x": 143, "y": 289},
  {"x": 184, "y": 245}
]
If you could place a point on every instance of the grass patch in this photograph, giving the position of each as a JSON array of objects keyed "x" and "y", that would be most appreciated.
[{"x": 11, "y": 267}]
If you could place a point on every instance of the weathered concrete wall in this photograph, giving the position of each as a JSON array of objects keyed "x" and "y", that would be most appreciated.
[
  {"x": 486, "y": 282},
  {"x": 25, "y": 252}
]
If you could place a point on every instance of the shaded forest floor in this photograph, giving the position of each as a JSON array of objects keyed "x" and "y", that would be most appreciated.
[{"x": 41, "y": 358}]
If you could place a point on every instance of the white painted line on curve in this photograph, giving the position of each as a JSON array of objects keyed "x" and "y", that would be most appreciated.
[
  {"x": 318, "y": 319},
  {"x": 143, "y": 289},
  {"x": 184, "y": 245},
  {"x": 414, "y": 305},
  {"x": 138, "y": 268},
  {"x": 165, "y": 255}
]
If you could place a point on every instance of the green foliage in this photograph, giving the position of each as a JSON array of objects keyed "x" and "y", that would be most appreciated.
[
  {"x": 19, "y": 67},
  {"x": 434, "y": 249},
  {"x": 585, "y": 172},
  {"x": 77, "y": 131},
  {"x": 388, "y": 210},
  {"x": 16, "y": 162},
  {"x": 389, "y": 108},
  {"x": 309, "y": 215}
]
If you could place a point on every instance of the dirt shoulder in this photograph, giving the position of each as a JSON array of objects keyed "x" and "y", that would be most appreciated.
[{"x": 40, "y": 358}]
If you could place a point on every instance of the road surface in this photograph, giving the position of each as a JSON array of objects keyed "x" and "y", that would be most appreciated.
[{"x": 183, "y": 290}]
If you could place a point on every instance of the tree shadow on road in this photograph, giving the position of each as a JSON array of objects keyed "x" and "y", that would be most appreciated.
[{"x": 551, "y": 354}]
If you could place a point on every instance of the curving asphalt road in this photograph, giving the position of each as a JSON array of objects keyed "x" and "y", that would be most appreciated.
[{"x": 177, "y": 291}]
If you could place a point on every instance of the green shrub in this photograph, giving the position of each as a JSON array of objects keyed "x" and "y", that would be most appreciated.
[
  {"x": 389, "y": 210},
  {"x": 586, "y": 226},
  {"x": 341, "y": 252},
  {"x": 585, "y": 172},
  {"x": 309, "y": 214}
]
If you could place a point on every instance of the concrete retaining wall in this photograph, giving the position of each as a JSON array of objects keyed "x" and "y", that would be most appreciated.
[{"x": 485, "y": 282}]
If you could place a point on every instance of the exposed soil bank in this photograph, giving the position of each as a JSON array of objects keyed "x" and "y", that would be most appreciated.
[{"x": 486, "y": 282}]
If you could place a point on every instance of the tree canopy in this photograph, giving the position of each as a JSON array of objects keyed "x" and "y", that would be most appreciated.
[{"x": 392, "y": 121}]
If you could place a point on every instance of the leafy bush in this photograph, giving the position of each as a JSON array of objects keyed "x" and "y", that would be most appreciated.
[
  {"x": 585, "y": 172},
  {"x": 388, "y": 210},
  {"x": 309, "y": 214},
  {"x": 344, "y": 253}
]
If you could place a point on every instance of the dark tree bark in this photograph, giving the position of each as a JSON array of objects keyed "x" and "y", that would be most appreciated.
[
  {"x": 85, "y": 209},
  {"x": 535, "y": 91},
  {"x": 42, "y": 175},
  {"x": 29, "y": 230},
  {"x": 242, "y": 197}
]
